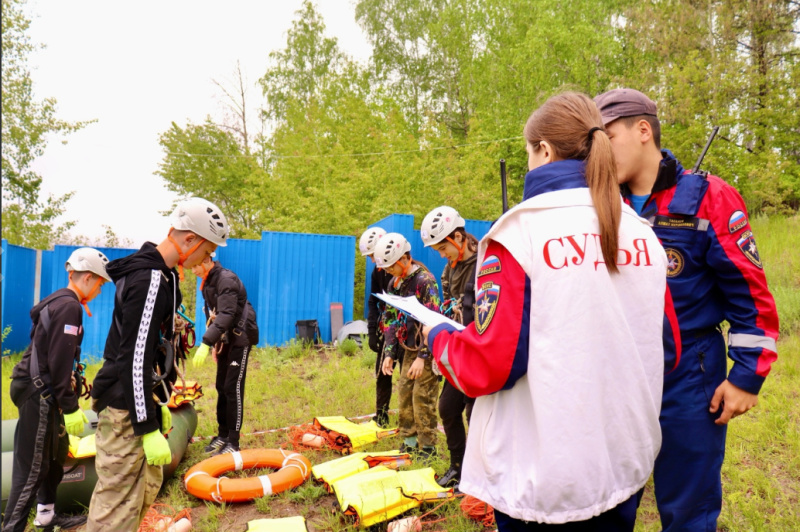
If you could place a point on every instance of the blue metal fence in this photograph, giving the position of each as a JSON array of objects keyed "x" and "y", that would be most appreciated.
[
  {"x": 301, "y": 275},
  {"x": 288, "y": 276},
  {"x": 19, "y": 275},
  {"x": 404, "y": 224}
]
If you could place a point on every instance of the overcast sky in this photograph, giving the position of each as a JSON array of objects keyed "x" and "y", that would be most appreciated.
[{"x": 135, "y": 67}]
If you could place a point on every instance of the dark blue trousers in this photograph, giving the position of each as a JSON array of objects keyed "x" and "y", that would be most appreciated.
[
  {"x": 621, "y": 518},
  {"x": 687, "y": 473}
]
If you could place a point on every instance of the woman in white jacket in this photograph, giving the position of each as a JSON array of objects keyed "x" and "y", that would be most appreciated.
[{"x": 565, "y": 355}]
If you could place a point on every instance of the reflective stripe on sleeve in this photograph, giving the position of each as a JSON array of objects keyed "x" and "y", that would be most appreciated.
[
  {"x": 444, "y": 361},
  {"x": 752, "y": 340}
]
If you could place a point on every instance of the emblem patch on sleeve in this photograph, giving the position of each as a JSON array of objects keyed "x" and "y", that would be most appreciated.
[
  {"x": 491, "y": 264},
  {"x": 747, "y": 244},
  {"x": 74, "y": 330},
  {"x": 485, "y": 305},
  {"x": 737, "y": 221},
  {"x": 675, "y": 262}
]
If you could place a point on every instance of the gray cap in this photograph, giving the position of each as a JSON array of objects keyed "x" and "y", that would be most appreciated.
[{"x": 619, "y": 103}]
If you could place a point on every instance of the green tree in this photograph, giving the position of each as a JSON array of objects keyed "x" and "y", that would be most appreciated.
[
  {"x": 207, "y": 161},
  {"x": 299, "y": 71},
  {"x": 423, "y": 51},
  {"x": 27, "y": 219},
  {"x": 736, "y": 65},
  {"x": 480, "y": 68}
]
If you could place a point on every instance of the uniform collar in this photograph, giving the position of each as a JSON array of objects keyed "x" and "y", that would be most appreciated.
[
  {"x": 668, "y": 171},
  {"x": 558, "y": 175}
]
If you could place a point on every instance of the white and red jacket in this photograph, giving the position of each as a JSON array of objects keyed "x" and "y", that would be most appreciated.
[{"x": 566, "y": 359}]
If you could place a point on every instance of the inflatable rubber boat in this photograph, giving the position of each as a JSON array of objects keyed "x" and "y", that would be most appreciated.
[{"x": 80, "y": 477}]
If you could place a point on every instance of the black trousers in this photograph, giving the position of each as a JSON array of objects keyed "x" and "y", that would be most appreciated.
[
  {"x": 383, "y": 388},
  {"x": 231, "y": 373},
  {"x": 452, "y": 404},
  {"x": 621, "y": 518},
  {"x": 40, "y": 450}
]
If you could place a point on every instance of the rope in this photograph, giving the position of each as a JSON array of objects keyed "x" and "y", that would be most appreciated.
[
  {"x": 160, "y": 516},
  {"x": 330, "y": 439},
  {"x": 85, "y": 386},
  {"x": 452, "y": 309},
  {"x": 477, "y": 510}
]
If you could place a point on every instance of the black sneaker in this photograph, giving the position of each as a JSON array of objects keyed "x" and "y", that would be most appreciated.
[
  {"x": 382, "y": 419},
  {"x": 63, "y": 522},
  {"x": 229, "y": 448},
  {"x": 450, "y": 478},
  {"x": 215, "y": 445},
  {"x": 425, "y": 454},
  {"x": 407, "y": 449}
]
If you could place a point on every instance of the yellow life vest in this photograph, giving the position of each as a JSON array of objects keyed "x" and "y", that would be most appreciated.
[
  {"x": 334, "y": 470},
  {"x": 82, "y": 447},
  {"x": 359, "y": 435},
  {"x": 379, "y": 494},
  {"x": 286, "y": 524}
]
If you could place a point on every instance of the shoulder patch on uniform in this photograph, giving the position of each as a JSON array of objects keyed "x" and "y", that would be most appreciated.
[
  {"x": 675, "y": 262},
  {"x": 74, "y": 330},
  {"x": 491, "y": 264},
  {"x": 485, "y": 305},
  {"x": 747, "y": 245},
  {"x": 737, "y": 221}
]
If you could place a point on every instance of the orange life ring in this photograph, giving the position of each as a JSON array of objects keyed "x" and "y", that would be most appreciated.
[{"x": 203, "y": 480}]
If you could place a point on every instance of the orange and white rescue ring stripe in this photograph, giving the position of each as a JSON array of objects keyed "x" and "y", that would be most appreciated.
[{"x": 203, "y": 480}]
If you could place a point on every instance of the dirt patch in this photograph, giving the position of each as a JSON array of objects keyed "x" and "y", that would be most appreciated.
[{"x": 321, "y": 515}]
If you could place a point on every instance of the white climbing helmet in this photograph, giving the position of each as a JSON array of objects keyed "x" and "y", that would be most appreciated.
[
  {"x": 88, "y": 260},
  {"x": 389, "y": 248},
  {"x": 202, "y": 218},
  {"x": 438, "y": 224},
  {"x": 370, "y": 237}
]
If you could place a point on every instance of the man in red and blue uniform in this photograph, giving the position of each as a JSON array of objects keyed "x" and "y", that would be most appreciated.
[{"x": 714, "y": 274}]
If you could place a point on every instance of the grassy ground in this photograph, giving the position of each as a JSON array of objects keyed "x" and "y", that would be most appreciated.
[{"x": 291, "y": 385}]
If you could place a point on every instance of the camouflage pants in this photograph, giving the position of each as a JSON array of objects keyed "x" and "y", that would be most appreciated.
[
  {"x": 418, "y": 399},
  {"x": 126, "y": 484}
]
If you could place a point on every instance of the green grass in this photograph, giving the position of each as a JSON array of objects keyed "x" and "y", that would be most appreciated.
[
  {"x": 348, "y": 347},
  {"x": 778, "y": 240},
  {"x": 295, "y": 383}
]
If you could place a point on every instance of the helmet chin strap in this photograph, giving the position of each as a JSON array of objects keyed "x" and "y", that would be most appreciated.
[
  {"x": 399, "y": 278},
  {"x": 183, "y": 256},
  {"x": 460, "y": 251},
  {"x": 85, "y": 299},
  {"x": 205, "y": 273}
]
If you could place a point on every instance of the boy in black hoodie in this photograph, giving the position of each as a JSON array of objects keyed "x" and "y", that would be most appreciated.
[
  {"x": 232, "y": 332},
  {"x": 41, "y": 388},
  {"x": 130, "y": 446}
]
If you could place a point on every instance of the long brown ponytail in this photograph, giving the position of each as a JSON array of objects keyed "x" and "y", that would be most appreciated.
[{"x": 565, "y": 121}]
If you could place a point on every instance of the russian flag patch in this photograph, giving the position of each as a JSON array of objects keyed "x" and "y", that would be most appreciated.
[
  {"x": 491, "y": 264},
  {"x": 737, "y": 221}
]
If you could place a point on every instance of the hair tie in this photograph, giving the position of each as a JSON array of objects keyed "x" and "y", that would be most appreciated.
[{"x": 590, "y": 136}]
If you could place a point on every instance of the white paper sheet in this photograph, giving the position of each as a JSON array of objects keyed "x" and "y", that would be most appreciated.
[{"x": 411, "y": 306}]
